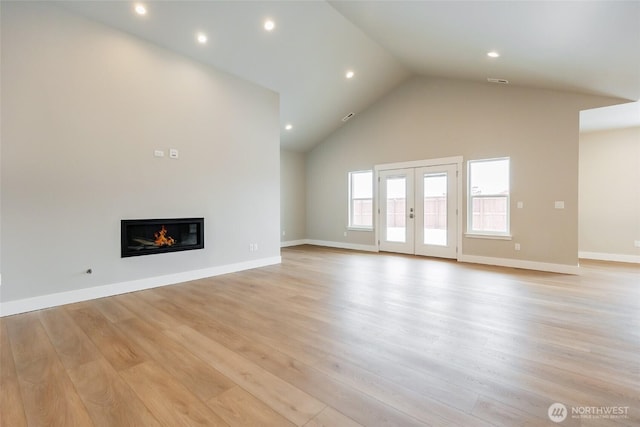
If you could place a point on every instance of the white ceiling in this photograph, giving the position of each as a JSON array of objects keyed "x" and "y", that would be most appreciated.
[
  {"x": 614, "y": 117},
  {"x": 582, "y": 46}
]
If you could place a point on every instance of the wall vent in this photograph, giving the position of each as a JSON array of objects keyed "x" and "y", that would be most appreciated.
[
  {"x": 500, "y": 81},
  {"x": 348, "y": 116}
]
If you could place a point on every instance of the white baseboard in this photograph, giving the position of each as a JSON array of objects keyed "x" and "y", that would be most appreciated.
[
  {"x": 343, "y": 245},
  {"x": 474, "y": 259},
  {"x": 329, "y": 244},
  {"x": 52, "y": 300},
  {"x": 601, "y": 256},
  {"x": 518, "y": 263},
  {"x": 293, "y": 243}
]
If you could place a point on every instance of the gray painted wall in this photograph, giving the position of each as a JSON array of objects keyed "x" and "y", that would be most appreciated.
[
  {"x": 83, "y": 109},
  {"x": 433, "y": 118},
  {"x": 610, "y": 191},
  {"x": 293, "y": 196}
]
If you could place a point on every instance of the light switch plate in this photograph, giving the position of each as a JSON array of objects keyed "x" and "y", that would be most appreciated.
[
  {"x": 520, "y": 205},
  {"x": 173, "y": 153},
  {"x": 559, "y": 204}
]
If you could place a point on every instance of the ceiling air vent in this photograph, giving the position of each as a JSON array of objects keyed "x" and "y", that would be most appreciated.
[
  {"x": 348, "y": 116},
  {"x": 501, "y": 81}
]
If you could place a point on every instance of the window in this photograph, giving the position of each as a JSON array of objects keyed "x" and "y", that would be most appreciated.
[
  {"x": 488, "y": 197},
  {"x": 361, "y": 199}
]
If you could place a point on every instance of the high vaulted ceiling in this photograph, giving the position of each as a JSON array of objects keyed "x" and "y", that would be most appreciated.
[{"x": 590, "y": 47}]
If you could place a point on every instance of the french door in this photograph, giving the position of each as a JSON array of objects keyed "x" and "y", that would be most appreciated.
[{"x": 418, "y": 210}]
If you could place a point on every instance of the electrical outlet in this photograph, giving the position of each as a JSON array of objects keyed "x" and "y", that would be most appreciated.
[
  {"x": 345, "y": 234},
  {"x": 558, "y": 204},
  {"x": 284, "y": 233},
  {"x": 517, "y": 246},
  {"x": 636, "y": 243},
  {"x": 520, "y": 205}
]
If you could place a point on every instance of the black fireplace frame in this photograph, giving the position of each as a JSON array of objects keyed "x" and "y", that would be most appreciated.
[{"x": 127, "y": 224}]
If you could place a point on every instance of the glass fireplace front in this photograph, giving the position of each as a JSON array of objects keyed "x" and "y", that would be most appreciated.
[{"x": 154, "y": 236}]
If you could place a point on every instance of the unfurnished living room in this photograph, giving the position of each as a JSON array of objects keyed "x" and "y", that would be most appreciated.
[{"x": 319, "y": 213}]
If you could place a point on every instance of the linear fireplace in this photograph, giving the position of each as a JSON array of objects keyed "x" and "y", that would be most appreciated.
[{"x": 154, "y": 236}]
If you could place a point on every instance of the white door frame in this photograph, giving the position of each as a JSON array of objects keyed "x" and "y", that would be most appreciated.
[{"x": 456, "y": 160}]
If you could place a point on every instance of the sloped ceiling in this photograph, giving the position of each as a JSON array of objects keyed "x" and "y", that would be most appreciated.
[{"x": 589, "y": 47}]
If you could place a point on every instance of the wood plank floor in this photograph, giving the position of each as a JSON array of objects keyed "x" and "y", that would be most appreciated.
[{"x": 334, "y": 338}]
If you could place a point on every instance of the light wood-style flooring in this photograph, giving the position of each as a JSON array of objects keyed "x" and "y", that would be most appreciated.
[{"x": 334, "y": 338}]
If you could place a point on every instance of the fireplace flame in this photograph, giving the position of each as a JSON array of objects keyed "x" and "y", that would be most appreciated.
[{"x": 162, "y": 239}]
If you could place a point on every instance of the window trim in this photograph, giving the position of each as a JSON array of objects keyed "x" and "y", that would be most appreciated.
[
  {"x": 350, "y": 200},
  {"x": 497, "y": 235}
]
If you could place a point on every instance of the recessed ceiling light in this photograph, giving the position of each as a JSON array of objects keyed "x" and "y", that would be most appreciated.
[
  {"x": 289, "y": 126},
  {"x": 493, "y": 54},
  {"x": 350, "y": 74},
  {"x": 201, "y": 37},
  {"x": 269, "y": 25},
  {"x": 140, "y": 9}
]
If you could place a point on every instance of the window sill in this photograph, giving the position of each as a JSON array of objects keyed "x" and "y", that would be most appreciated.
[
  {"x": 360, "y": 228},
  {"x": 489, "y": 236}
]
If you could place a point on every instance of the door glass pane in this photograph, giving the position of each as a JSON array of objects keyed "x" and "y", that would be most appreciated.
[
  {"x": 435, "y": 209},
  {"x": 396, "y": 209}
]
